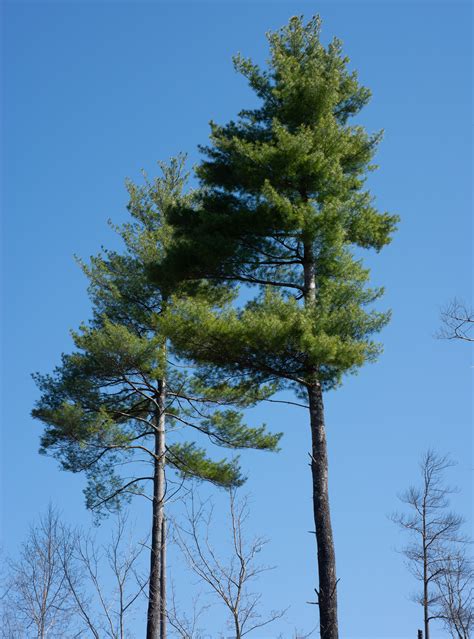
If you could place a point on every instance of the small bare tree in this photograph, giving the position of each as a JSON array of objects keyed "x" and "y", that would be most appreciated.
[
  {"x": 186, "y": 625},
  {"x": 37, "y": 602},
  {"x": 456, "y": 595},
  {"x": 435, "y": 533},
  {"x": 104, "y": 612},
  {"x": 231, "y": 577},
  {"x": 457, "y": 321},
  {"x": 56, "y": 589}
]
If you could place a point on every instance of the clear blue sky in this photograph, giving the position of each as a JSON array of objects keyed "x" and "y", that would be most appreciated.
[{"x": 92, "y": 92}]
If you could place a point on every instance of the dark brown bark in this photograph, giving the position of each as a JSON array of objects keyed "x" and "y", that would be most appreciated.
[
  {"x": 327, "y": 591},
  {"x": 156, "y": 604},
  {"x": 163, "y": 580}
]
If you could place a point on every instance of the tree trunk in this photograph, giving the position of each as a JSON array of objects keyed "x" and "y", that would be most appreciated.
[
  {"x": 425, "y": 602},
  {"x": 156, "y": 604},
  {"x": 163, "y": 580},
  {"x": 425, "y": 573},
  {"x": 327, "y": 592},
  {"x": 237, "y": 627}
]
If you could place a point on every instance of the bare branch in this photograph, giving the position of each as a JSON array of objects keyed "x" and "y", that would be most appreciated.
[
  {"x": 230, "y": 577},
  {"x": 435, "y": 536},
  {"x": 457, "y": 321},
  {"x": 37, "y": 594}
]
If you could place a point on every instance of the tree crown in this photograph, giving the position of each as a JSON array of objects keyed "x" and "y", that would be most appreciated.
[
  {"x": 101, "y": 406},
  {"x": 283, "y": 206}
]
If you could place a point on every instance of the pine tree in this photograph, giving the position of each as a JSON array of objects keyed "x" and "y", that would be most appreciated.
[
  {"x": 283, "y": 207},
  {"x": 109, "y": 405}
]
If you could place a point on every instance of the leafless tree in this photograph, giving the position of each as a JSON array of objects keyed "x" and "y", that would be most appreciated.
[
  {"x": 186, "y": 625},
  {"x": 37, "y": 602},
  {"x": 435, "y": 533},
  {"x": 56, "y": 589},
  {"x": 456, "y": 595},
  {"x": 457, "y": 321},
  {"x": 103, "y": 611},
  {"x": 229, "y": 578}
]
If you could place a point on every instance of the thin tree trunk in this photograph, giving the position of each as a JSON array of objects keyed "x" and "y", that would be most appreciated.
[
  {"x": 155, "y": 600},
  {"x": 425, "y": 576},
  {"x": 163, "y": 580},
  {"x": 425, "y": 602},
  {"x": 327, "y": 591},
  {"x": 237, "y": 628}
]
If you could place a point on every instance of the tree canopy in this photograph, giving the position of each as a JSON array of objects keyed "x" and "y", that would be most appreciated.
[
  {"x": 283, "y": 193},
  {"x": 283, "y": 208},
  {"x": 100, "y": 405}
]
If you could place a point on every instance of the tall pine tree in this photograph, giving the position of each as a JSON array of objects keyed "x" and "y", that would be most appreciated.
[
  {"x": 112, "y": 404},
  {"x": 282, "y": 206}
]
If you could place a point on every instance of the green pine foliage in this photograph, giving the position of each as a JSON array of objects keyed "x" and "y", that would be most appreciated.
[
  {"x": 274, "y": 338},
  {"x": 100, "y": 406},
  {"x": 282, "y": 194},
  {"x": 284, "y": 209}
]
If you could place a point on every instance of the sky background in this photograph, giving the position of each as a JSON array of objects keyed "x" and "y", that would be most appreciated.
[{"x": 94, "y": 92}]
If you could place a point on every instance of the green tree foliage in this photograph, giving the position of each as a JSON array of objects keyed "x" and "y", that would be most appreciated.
[
  {"x": 108, "y": 404},
  {"x": 283, "y": 206},
  {"x": 284, "y": 200},
  {"x": 99, "y": 406}
]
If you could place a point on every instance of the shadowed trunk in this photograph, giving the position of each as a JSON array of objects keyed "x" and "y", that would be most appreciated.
[
  {"x": 327, "y": 591},
  {"x": 156, "y": 604},
  {"x": 163, "y": 580}
]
